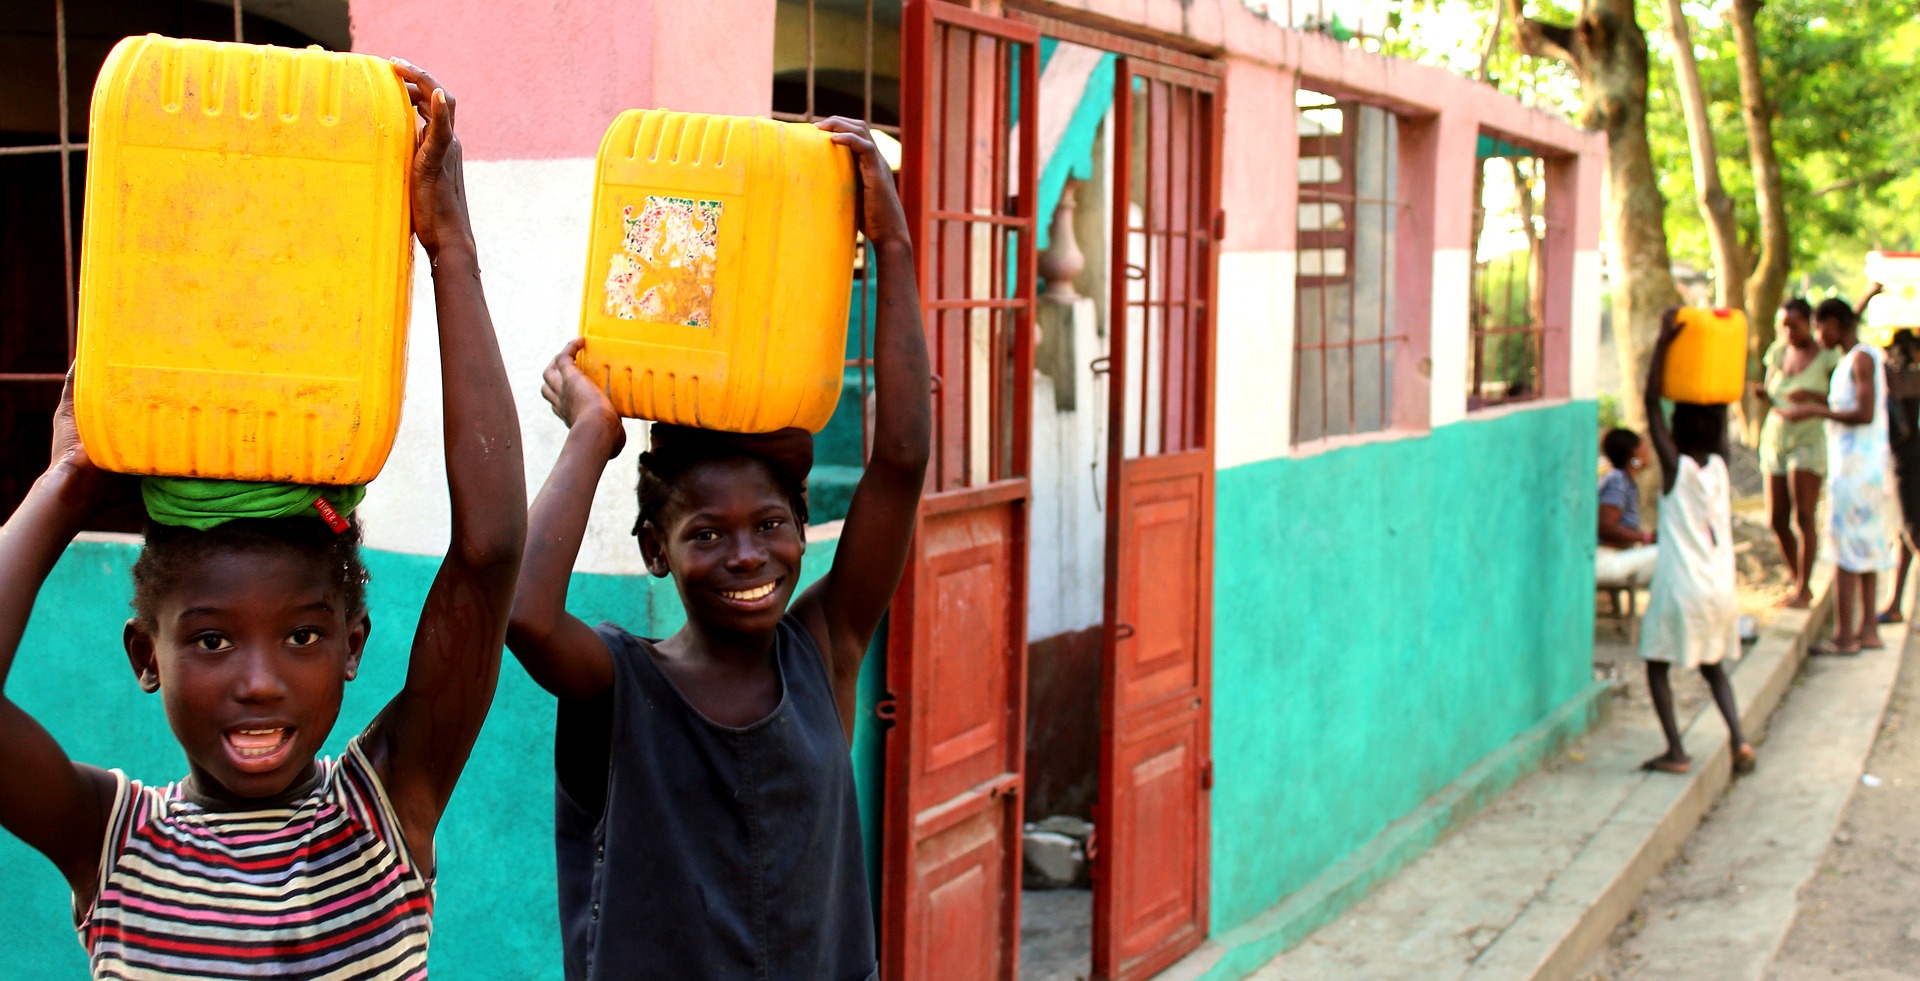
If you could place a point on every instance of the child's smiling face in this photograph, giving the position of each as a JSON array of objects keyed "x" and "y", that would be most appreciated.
[
  {"x": 252, "y": 650},
  {"x": 731, "y": 544}
]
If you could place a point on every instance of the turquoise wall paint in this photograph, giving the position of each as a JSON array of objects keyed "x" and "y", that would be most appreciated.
[
  {"x": 496, "y": 915},
  {"x": 1385, "y": 615}
]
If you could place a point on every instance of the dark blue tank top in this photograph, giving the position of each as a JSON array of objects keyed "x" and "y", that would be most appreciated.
[{"x": 701, "y": 852}]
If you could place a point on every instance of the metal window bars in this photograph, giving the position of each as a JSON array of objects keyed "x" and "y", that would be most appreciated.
[
  {"x": 1506, "y": 320},
  {"x": 974, "y": 241},
  {"x": 1343, "y": 282},
  {"x": 865, "y": 302},
  {"x": 1169, "y": 137},
  {"x": 65, "y": 148}
]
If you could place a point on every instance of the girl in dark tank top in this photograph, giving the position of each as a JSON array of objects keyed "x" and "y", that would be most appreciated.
[{"x": 705, "y": 820}]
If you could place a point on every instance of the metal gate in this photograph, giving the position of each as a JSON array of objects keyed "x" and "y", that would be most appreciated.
[
  {"x": 957, "y": 645},
  {"x": 1150, "y": 872}
]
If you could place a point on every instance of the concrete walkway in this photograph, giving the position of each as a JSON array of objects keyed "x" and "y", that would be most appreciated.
[
  {"x": 1533, "y": 886},
  {"x": 1721, "y": 911}
]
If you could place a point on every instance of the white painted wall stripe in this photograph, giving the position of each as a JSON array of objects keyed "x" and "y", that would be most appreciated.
[
  {"x": 530, "y": 218},
  {"x": 1452, "y": 297},
  {"x": 1253, "y": 408}
]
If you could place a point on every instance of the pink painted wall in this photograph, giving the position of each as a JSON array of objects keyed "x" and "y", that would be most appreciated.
[
  {"x": 1259, "y": 180},
  {"x": 540, "y": 79}
]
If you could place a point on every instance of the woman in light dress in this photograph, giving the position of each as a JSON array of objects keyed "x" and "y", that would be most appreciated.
[{"x": 1858, "y": 464}]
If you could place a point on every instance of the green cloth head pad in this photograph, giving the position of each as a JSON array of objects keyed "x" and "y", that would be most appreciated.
[{"x": 194, "y": 502}]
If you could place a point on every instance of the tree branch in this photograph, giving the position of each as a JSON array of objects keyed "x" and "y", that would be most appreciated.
[{"x": 1539, "y": 38}]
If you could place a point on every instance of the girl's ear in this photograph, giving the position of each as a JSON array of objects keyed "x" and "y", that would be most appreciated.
[
  {"x": 653, "y": 549},
  {"x": 140, "y": 656},
  {"x": 357, "y": 642}
]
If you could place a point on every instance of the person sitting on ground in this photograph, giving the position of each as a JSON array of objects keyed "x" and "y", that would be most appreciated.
[
  {"x": 1693, "y": 612},
  {"x": 1626, "y": 554},
  {"x": 1857, "y": 466},
  {"x": 1793, "y": 455}
]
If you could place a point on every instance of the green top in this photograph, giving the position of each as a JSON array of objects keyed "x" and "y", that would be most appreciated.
[
  {"x": 1777, "y": 435},
  {"x": 197, "y": 503}
]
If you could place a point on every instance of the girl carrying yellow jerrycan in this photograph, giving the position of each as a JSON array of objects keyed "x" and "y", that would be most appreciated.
[{"x": 267, "y": 860}]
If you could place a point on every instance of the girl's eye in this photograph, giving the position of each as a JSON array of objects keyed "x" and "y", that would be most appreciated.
[
  {"x": 304, "y": 637},
  {"x": 772, "y": 523},
  {"x": 706, "y": 535},
  {"x": 210, "y": 643}
]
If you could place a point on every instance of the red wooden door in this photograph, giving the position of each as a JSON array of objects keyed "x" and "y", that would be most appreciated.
[
  {"x": 956, "y": 657},
  {"x": 1150, "y": 872}
]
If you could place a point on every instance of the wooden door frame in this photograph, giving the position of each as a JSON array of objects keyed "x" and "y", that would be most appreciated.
[
  {"x": 1186, "y": 68},
  {"x": 1001, "y": 494}
]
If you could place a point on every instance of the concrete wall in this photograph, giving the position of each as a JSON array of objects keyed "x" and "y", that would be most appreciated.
[
  {"x": 1388, "y": 609},
  {"x": 1436, "y": 601}
]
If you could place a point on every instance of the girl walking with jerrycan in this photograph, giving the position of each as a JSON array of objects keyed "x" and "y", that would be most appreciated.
[
  {"x": 1693, "y": 613},
  {"x": 268, "y": 861},
  {"x": 705, "y": 817}
]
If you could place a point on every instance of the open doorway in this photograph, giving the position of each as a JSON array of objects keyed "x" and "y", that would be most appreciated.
[
  {"x": 1117, "y": 766},
  {"x": 1067, "y": 550}
]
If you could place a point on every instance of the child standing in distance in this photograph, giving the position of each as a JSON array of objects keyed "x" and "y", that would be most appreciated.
[
  {"x": 705, "y": 817},
  {"x": 1693, "y": 614},
  {"x": 267, "y": 861}
]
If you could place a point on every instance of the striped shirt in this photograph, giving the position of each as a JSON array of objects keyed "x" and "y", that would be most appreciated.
[{"x": 317, "y": 888}]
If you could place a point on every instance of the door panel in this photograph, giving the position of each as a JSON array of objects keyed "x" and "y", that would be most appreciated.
[
  {"x": 956, "y": 662},
  {"x": 1150, "y": 873}
]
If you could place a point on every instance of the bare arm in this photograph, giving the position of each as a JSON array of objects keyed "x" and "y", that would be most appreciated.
[
  {"x": 1873, "y": 290},
  {"x": 421, "y": 740},
  {"x": 1613, "y": 533},
  {"x": 844, "y": 608},
  {"x": 55, "y": 805},
  {"x": 559, "y": 650},
  {"x": 1661, "y": 437},
  {"x": 1864, "y": 382}
]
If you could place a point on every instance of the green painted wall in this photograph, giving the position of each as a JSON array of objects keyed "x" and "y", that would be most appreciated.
[
  {"x": 1385, "y": 615},
  {"x": 496, "y": 915}
]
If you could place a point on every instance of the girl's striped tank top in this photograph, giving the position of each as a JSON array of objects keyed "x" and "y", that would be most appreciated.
[{"x": 318, "y": 888}]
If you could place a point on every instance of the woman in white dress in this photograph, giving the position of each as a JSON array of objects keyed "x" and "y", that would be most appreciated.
[
  {"x": 1858, "y": 462},
  {"x": 1693, "y": 612}
]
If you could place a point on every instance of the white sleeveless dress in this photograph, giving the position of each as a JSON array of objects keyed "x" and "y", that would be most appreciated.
[
  {"x": 1693, "y": 613},
  {"x": 1858, "y": 461}
]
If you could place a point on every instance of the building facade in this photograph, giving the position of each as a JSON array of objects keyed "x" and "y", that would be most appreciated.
[{"x": 1260, "y": 526}]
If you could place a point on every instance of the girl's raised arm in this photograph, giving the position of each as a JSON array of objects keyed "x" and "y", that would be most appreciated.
[
  {"x": 558, "y": 649},
  {"x": 1657, "y": 432},
  {"x": 424, "y": 735},
  {"x": 50, "y": 802},
  {"x": 844, "y": 608}
]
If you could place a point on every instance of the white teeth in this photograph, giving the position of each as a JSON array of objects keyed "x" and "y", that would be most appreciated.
[{"x": 747, "y": 595}]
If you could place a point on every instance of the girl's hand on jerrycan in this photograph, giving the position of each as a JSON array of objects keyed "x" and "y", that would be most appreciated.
[
  {"x": 99, "y": 489},
  {"x": 877, "y": 211},
  {"x": 439, "y": 189},
  {"x": 578, "y": 401}
]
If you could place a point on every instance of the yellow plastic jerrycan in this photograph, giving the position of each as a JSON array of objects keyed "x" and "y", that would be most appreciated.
[
  {"x": 1707, "y": 363},
  {"x": 719, "y": 271},
  {"x": 245, "y": 265}
]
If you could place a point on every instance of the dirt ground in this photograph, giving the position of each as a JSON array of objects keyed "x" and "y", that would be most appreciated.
[{"x": 1860, "y": 917}]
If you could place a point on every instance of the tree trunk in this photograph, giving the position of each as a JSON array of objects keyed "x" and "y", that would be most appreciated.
[
  {"x": 1608, "y": 51},
  {"x": 1769, "y": 276},
  {"x": 1716, "y": 206}
]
